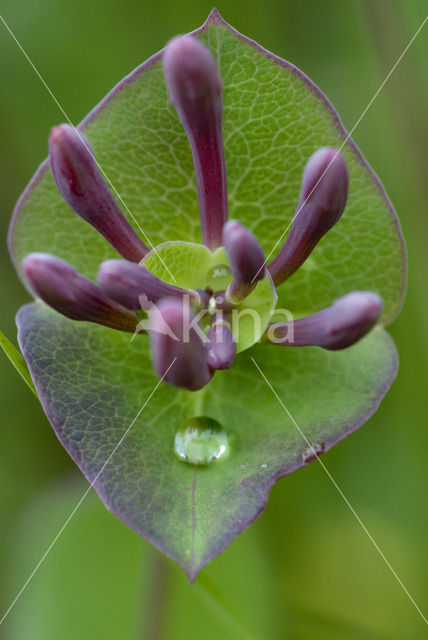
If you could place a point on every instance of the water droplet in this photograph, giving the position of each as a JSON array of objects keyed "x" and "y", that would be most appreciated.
[
  {"x": 212, "y": 306},
  {"x": 242, "y": 467},
  {"x": 200, "y": 440},
  {"x": 311, "y": 453},
  {"x": 219, "y": 277},
  {"x": 263, "y": 465}
]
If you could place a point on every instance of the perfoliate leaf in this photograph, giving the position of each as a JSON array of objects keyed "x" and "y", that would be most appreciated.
[
  {"x": 94, "y": 382},
  {"x": 274, "y": 119}
]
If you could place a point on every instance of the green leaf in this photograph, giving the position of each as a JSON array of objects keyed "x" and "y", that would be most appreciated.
[
  {"x": 96, "y": 562},
  {"x": 93, "y": 383},
  {"x": 17, "y": 359},
  {"x": 274, "y": 119}
]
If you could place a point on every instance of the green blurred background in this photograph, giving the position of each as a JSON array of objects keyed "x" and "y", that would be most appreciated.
[{"x": 305, "y": 569}]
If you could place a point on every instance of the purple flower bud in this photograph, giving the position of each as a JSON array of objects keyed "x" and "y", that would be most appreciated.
[
  {"x": 337, "y": 327},
  {"x": 178, "y": 353},
  {"x": 246, "y": 259},
  {"x": 69, "y": 293},
  {"x": 321, "y": 203},
  {"x": 84, "y": 189},
  {"x": 125, "y": 282},
  {"x": 221, "y": 349},
  {"x": 195, "y": 90}
]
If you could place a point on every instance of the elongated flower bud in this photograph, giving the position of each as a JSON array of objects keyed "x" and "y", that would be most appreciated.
[
  {"x": 195, "y": 90},
  {"x": 337, "y": 327},
  {"x": 221, "y": 349},
  {"x": 84, "y": 189},
  {"x": 69, "y": 293},
  {"x": 178, "y": 353},
  {"x": 246, "y": 259},
  {"x": 125, "y": 282},
  {"x": 321, "y": 203}
]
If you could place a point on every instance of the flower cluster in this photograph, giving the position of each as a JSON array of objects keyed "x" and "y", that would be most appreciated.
[{"x": 192, "y": 328}]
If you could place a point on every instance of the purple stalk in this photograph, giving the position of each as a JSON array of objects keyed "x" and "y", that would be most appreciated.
[
  {"x": 125, "y": 282},
  {"x": 336, "y": 327},
  {"x": 221, "y": 349},
  {"x": 178, "y": 352},
  {"x": 246, "y": 259},
  {"x": 321, "y": 203},
  {"x": 69, "y": 293},
  {"x": 84, "y": 189},
  {"x": 195, "y": 90}
]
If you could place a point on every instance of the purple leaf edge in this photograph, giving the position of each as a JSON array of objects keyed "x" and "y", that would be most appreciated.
[{"x": 192, "y": 571}]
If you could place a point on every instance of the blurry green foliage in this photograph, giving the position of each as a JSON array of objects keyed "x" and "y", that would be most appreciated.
[{"x": 313, "y": 573}]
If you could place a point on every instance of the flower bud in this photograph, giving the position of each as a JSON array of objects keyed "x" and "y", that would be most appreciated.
[
  {"x": 246, "y": 259},
  {"x": 195, "y": 90},
  {"x": 125, "y": 282},
  {"x": 221, "y": 349},
  {"x": 178, "y": 353},
  {"x": 69, "y": 293},
  {"x": 336, "y": 327},
  {"x": 321, "y": 203},
  {"x": 84, "y": 189}
]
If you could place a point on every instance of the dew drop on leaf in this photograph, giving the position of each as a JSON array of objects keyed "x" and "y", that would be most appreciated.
[
  {"x": 312, "y": 452},
  {"x": 218, "y": 277},
  {"x": 201, "y": 440}
]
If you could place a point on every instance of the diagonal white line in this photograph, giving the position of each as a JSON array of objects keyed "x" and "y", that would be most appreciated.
[
  {"x": 343, "y": 143},
  {"x": 113, "y": 188},
  {"x": 348, "y": 504},
  {"x": 43, "y": 558}
]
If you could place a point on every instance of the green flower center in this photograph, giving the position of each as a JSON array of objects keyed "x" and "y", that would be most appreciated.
[{"x": 194, "y": 266}]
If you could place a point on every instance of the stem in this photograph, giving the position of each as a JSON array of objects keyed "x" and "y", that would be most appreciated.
[
  {"x": 198, "y": 397},
  {"x": 157, "y": 602}
]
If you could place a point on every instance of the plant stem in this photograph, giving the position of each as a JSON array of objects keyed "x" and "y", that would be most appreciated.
[
  {"x": 157, "y": 601},
  {"x": 198, "y": 397}
]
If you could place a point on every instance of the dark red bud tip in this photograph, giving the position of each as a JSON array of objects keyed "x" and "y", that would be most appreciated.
[
  {"x": 325, "y": 183},
  {"x": 192, "y": 79},
  {"x": 195, "y": 90},
  {"x": 178, "y": 349},
  {"x": 321, "y": 204},
  {"x": 69, "y": 293},
  {"x": 351, "y": 318},
  {"x": 348, "y": 320},
  {"x": 125, "y": 282},
  {"x": 246, "y": 259},
  {"x": 221, "y": 348},
  {"x": 84, "y": 189}
]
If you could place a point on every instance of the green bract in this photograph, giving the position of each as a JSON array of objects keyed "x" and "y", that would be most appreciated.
[{"x": 94, "y": 382}]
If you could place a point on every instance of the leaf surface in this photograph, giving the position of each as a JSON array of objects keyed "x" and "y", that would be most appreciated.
[
  {"x": 95, "y": 385},
  {"x": 274, "y": 119}
]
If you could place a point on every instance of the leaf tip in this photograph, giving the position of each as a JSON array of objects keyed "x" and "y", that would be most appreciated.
[{"x": 214, "y": 17}]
